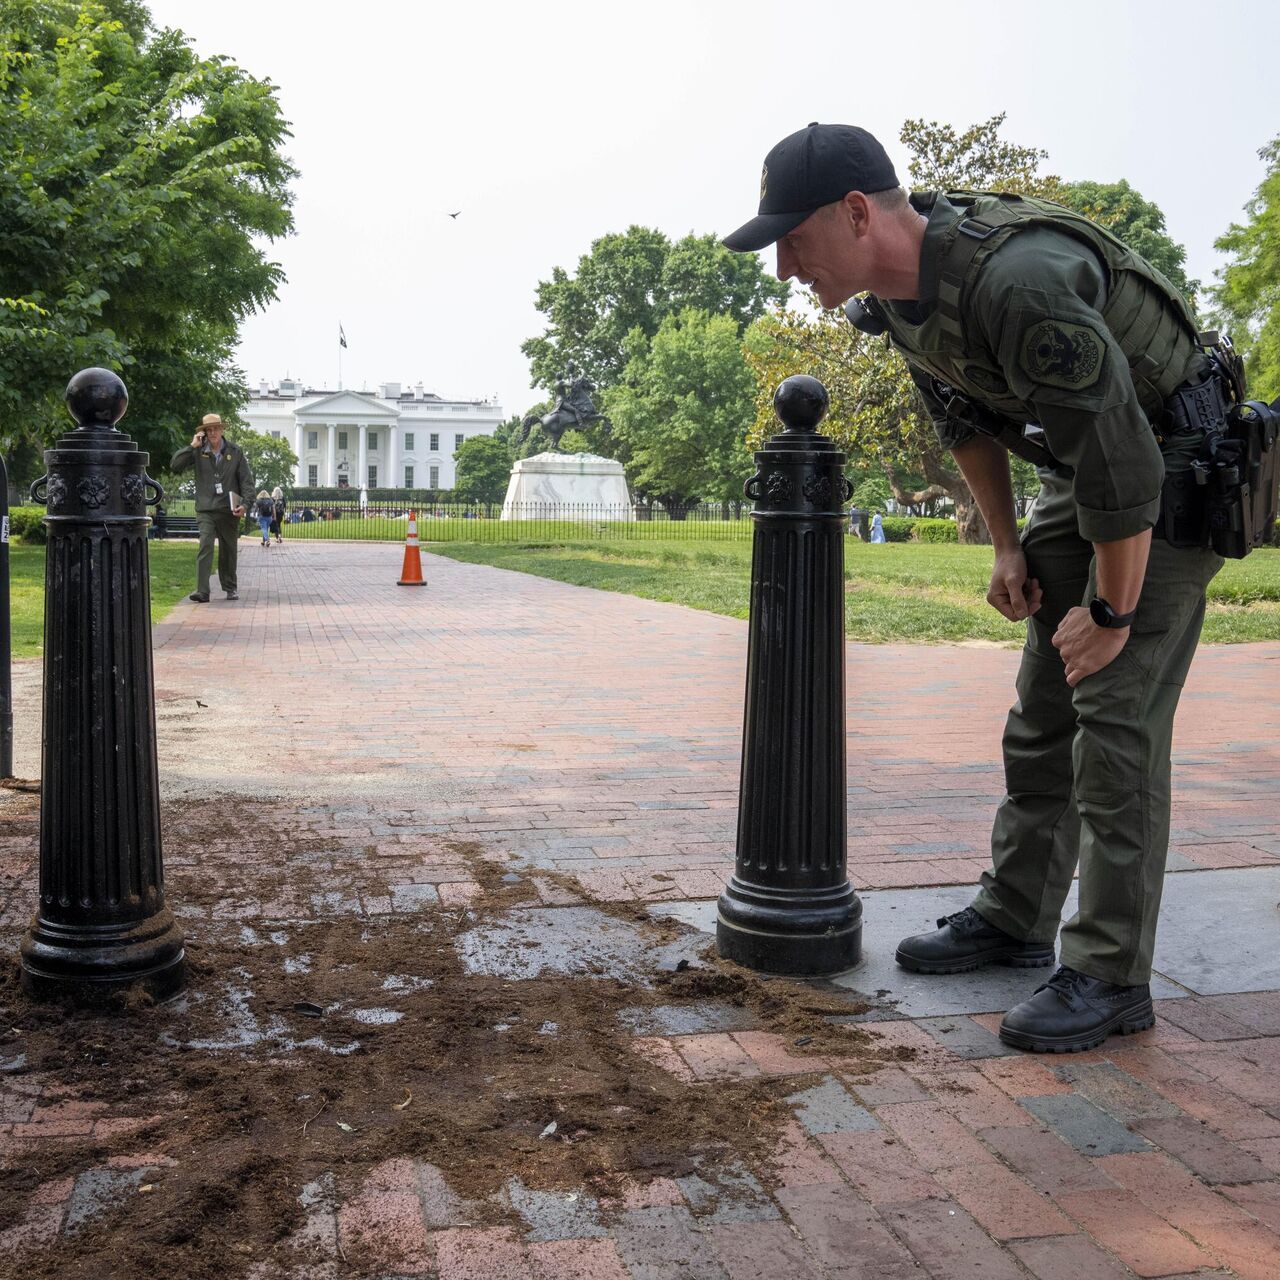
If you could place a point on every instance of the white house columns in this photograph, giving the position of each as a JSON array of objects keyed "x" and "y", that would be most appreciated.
[{"x": 339, "y": 436}]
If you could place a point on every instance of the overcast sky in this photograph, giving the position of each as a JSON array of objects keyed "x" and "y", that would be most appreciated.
[{"x": 551, "y": 124}]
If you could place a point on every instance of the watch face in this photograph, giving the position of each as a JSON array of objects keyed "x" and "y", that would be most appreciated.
[{"x": 1100, "y": 612}]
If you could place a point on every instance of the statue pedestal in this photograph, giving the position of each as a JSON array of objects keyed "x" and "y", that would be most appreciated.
[{"x": 567, "y": 486}]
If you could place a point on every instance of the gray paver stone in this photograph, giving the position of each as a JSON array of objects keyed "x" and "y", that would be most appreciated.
[
  {"x": 1088, "y": 1128},
  {"x": 965, "y": 1038},
  {"x": 828, "y": 1108},
  {"x": 665, "y": 1244},
  {"x": 551, "y": 1215}
]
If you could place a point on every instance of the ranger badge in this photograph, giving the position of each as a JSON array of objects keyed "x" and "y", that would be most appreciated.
[{"x": 1058, "y": 354}]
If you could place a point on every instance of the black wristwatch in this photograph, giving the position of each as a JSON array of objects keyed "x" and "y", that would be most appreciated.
[{"x": 1104, "y": 615}]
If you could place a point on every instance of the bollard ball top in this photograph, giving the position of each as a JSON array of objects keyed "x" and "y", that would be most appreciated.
[
  {"x": 96, "y": 399},
  {"x": 801, "y": 402}
]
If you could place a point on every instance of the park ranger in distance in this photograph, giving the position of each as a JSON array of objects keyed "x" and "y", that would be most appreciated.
[{"x": 1013, "y": 311}]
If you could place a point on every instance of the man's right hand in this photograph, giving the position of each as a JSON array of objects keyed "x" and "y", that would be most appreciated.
[
  {"x": 1011, "y": 592},
  {"x": 197, "y": 440}
]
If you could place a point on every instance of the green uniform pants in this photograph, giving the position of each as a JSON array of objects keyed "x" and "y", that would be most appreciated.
[
  {"x": 224, "y": 529},
  {"x": 1087, "y": 770}
]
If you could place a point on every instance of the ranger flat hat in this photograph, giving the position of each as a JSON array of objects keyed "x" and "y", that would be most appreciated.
[
  {"x": 211, "y": 420},
  {"x": 808, "y": 169}
]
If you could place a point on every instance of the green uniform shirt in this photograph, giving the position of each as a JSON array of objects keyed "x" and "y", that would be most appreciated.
[
  {"x": 1039, "y": 351},
  {"x": 230, "y": 469}
]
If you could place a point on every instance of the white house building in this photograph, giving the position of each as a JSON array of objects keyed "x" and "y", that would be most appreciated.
[{"x": 397, "y": 439}]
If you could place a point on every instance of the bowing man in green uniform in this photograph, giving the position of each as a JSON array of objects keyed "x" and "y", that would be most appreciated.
[{"x": 1028, "y": 328}]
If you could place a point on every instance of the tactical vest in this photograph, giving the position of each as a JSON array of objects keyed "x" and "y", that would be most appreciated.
[{"x": 1146, "y": 315}]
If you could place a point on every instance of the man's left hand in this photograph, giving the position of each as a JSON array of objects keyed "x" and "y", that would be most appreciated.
[
  {"x": 1085, "y": 646},
  {"x": 240, "y": 510}
]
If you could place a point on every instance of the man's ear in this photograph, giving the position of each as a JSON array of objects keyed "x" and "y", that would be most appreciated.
[{"x": 858, "y": 209}]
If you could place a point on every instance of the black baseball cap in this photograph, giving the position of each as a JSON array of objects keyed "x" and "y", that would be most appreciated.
[{"x": 816, "y": 166}]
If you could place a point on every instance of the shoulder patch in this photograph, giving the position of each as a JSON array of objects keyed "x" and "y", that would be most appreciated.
[{"x": 1056, "y": 353}]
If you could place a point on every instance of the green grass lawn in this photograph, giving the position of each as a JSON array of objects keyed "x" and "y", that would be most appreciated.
[
  {"x": 899, "y": 591},
  {"x": 378, "y": 528},
  {"x": 173, "y": 574}
]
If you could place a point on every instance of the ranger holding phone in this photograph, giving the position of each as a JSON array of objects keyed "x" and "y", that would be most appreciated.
[{"x": 222, "y": 476}]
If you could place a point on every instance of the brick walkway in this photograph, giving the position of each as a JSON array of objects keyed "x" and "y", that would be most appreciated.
[{"x": 598, "y": 736}]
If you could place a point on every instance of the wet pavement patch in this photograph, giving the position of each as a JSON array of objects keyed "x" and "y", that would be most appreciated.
[
  {"x": 98, "y": 1190},
  {"x": 577, "y": 941}
]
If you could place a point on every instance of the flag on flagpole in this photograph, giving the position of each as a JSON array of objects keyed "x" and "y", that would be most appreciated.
[{"x": 342, "y": 337}]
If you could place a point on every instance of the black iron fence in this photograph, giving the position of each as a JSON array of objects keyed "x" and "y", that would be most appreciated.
[{"x": 515, "y": 522}]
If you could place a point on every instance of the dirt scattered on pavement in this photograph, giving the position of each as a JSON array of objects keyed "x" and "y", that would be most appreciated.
[{"x": 308, "y": 1047}]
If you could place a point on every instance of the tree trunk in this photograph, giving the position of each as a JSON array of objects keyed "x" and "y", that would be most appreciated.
[
  {"x": 677, "y": 508},
  {"x": 944, "y": 482},
  {"x": 970, "y": 526}
]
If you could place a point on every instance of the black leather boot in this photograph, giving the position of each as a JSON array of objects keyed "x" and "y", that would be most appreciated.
[
  {"x": 1073, "y": 1012},
  {"x": 965, "y": 941}
]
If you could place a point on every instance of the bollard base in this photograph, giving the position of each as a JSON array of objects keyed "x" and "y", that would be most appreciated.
[
  {"x": 805, "y": 933},
  {"x": 92, "y": 964}
]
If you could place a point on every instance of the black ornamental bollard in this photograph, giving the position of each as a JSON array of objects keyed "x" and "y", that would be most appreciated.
[
  {"x": 101, "y": 924},
  {"x": 789, "y": 907}
]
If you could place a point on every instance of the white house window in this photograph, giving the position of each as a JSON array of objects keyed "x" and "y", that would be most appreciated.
[
  {"x": 275, "y": 435},
  {"x": 313, "y": 476},
  {"x": 313, "y": 440},
  {"x": 408, "y": 440},
  {"x": 408, "y": 477},
  {"x": 435, "y": 441},
  {"x": 435, "y": 477},
  {"x": 457, "y": 441},
  {"x": 342, "y": 439},
  {"x": 373, "y": 477},
  {"x": 373, "y": 441}
]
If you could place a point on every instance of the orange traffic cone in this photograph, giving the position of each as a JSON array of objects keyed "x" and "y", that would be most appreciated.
[{"x": 411, "y": 574}]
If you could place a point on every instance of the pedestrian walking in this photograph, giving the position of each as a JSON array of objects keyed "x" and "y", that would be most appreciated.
[
  {"x": 264, "y": 514},
  {"x": 877, "y": 528},
  {"x": 279, "y": 506}
]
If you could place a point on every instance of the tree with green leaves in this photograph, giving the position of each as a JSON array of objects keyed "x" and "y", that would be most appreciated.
[
  {"x": 137, "y": 182},
  {"x": 1247, "y": 295},
  {"x": 683, "y": 408},
  {"x": 1139, "y": 222},
  {"x": 271, "y": 459},
  {"x": 484, "y": 467},
  {"x": 976, "y": 159},
  {"x": 632, "y": 281}
]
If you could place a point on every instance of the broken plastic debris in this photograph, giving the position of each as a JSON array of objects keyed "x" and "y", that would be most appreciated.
[
  {"x": 548, "y": 1131},
  {"x": 346, "y": 1128},
  {"x": 400, "y": 1106},
  {"x": 307, "y": 1009}
]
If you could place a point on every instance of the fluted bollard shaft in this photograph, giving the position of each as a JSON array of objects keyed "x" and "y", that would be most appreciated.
[
  {"x": 101, "y": 923},
  {"x": 789, "y": 907}
]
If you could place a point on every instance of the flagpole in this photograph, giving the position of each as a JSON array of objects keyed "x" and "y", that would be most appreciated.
[{"x": 339, "y": 357}]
